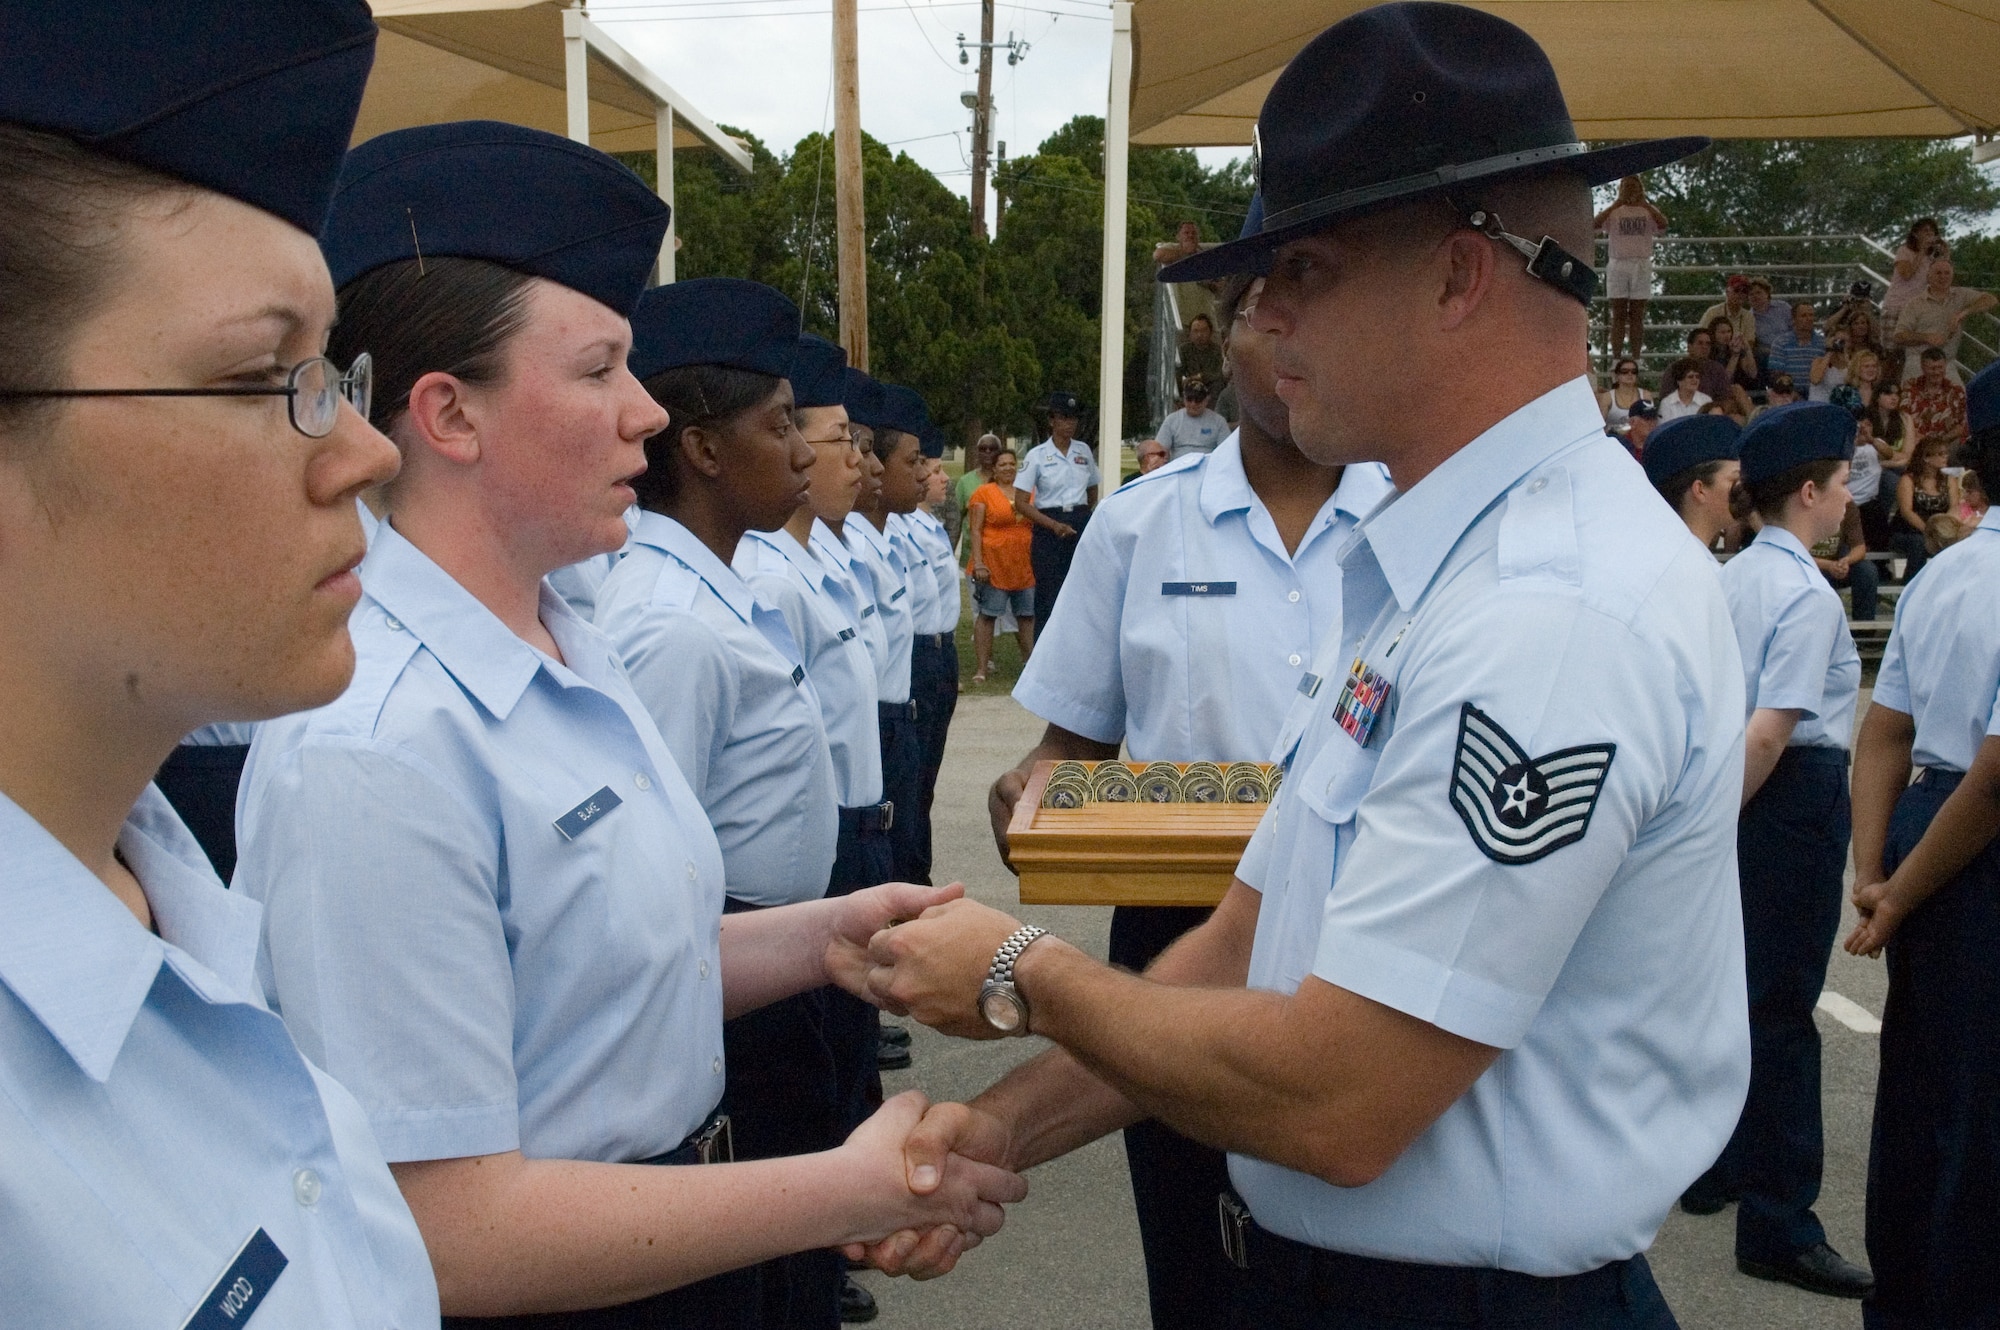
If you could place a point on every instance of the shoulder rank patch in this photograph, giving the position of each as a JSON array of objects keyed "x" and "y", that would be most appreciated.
[{"x": 1520, "y": 809}]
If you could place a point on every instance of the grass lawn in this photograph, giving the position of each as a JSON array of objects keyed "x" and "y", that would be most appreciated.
[{"x": 1006, "y": 654}]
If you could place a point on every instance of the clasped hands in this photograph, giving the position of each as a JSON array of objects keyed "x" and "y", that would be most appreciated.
[{"x": 953, "y": 1158}]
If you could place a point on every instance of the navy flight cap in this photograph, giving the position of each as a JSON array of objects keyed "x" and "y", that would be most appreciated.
[
  {"x": 479, "y": 189},
  {"x": 904, "y": 409},
  {"x": 1401, "y": 101},
  {"x": 1065, "y": 404},
  {"x": 1982, "y": 399},
  {"x": 862, "y": 396},
  {"x": 819, "y": 374},
  {"x": 1688, "y": 441},
  {"x": 1794, "y": 434},
  {"x": 714, "y": 321},
  {"x": 253, "y": 101}
]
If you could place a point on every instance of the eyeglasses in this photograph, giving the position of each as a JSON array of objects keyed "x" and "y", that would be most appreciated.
[{"x": 313, "y": 392}]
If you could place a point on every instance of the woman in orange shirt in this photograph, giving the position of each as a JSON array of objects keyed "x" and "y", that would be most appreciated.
[{"x": 1002, "y": 577}]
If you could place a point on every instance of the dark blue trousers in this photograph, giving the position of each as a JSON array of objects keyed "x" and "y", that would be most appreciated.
[
  {"x": 1791, "y": 853},
  {"x": 1934, "y": 1160},
  {"x": 200, "y": 781},
  {"x": 1293, "y": 1287},
  {"x": 1174, "y": 1180},
  {"x": 853, "y": 1027},
  {"x": 782, "y": 1096},
  {"x": 934, "y": 686},
  {"x": 902, "y": 783},
  {"x": 1049, "y": 556}
]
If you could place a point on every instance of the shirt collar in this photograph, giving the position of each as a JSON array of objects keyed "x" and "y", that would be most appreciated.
[
  {"x": 663, "y": 533},
  {"x": 78, "y": 959},
  {"x": 486, "y": 657},
  {"x": 1779, "y": 538},
  {"x": 1412, "y": 534},
  {"x": 798, "y": 556},
  {"x": 1990, "y": 521},
  {"x": 833, "y": 546}
]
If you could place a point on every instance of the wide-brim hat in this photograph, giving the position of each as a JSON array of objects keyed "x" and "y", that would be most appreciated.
[{"x": 1402, "y": 101}]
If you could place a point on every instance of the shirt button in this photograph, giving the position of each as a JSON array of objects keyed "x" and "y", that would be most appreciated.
[
  {"x": 394, "y": 623},
  {"x": 704, "y": 969},
  {"x": 642, "y": 780},
  {"x": 1294, "y": 598},
  {"x": 690, "y": 868},
  {"x": 1293, "y": 658},
  {"x": 305, "y": 1186},
  {"x": 1540, "y": 483},
  {"x": 716, "y": 1066}
]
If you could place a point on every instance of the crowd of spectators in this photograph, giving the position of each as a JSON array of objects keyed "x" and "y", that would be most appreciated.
[{"x": 1894, "y": 366}]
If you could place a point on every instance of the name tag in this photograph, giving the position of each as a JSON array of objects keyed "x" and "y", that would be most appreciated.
[
  {"x": 1197, "y": 588},
  {"x": 846, "y": 634},
  {"x": 798, "y": 675},
  {"x": 899, "y": 594},
  {"x": 867, "y": 610},
  {"x": 1309, "y": 684},
  {"x": 237, "y": 1295},
  {"x": 586, "y": 814}
]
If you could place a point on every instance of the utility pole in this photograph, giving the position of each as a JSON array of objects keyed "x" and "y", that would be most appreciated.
[
  {"x": 982, "y": 118},
  {"x": 851, "y": 243}
]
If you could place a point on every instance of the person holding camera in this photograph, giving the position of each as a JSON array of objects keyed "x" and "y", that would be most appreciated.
[{"x": 1828, "y": 374}]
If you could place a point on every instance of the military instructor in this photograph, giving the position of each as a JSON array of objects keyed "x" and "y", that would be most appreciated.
[{"x": 1472, "y": 1015}]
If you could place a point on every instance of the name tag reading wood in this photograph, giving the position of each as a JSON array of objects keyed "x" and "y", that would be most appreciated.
[{"x": 1136, "y": 833}]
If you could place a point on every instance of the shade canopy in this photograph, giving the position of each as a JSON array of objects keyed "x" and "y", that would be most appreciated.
[
  {"x": 1629, "y": 68},
  {"x": 440, "y": 60}
]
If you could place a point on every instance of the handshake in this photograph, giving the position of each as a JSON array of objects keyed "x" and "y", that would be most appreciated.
[{"x": 936, "y": 1175}]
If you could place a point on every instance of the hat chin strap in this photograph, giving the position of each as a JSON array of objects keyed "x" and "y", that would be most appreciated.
[{"x": 1548, "y": 261}]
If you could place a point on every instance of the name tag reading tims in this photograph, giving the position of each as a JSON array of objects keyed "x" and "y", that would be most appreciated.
[
  {"x": 587, "y": 814},
  {"x": 1361, "y": 701},
  {"x": 1197, "y": 588},
  {"x": 237, "y": 1295}
]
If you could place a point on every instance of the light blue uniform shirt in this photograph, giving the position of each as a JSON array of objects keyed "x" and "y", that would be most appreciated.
[
  {"x": 934, "y": 542},
  {"x": 154, "y": 1114},
  {"x": 493, "y": 905},
  {"x": 917, "y": 575},
  {"x": 1942, "y": 666},
  {"x": 1058, "y": 478},
  {"x": 1531, "y": 596},
  {"x": 722, "y": 675},
  {"x": 823, "y": 614},
  {"x": 876, "y": 557},
  {"x": 579, "y": 582},
  {"x": 1196, "y": 624},
  {"x": 1792, "y": 632},
  {"x": 858, "y": 585}
]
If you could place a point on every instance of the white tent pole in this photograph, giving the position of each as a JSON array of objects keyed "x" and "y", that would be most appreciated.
[
  {"x": 1111, "y": 318},
  {"x": 663, "y": 121},
  {"x": 576, "y": 74}
]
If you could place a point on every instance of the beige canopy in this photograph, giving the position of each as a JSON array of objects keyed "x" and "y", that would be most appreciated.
[
  {"x": 535, "y": 63},
  {"x": 1629, "y": 68}
]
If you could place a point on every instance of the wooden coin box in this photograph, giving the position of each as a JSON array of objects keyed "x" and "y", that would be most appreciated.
[{"x": 1131, "y": 833}]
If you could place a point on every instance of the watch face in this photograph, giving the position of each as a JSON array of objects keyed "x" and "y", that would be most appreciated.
[{"x": 1001, "y": 1009}]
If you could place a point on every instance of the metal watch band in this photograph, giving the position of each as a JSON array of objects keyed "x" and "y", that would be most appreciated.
[{"x": 1010, "y": 951}]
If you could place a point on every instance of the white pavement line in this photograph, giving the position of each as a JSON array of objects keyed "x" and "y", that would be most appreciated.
[{"x": 1848, "y": 1012}]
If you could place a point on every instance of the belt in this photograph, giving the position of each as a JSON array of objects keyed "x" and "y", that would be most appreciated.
[
  {"x": 710, "y": 1143},
  {"x": 1072, "y": 508},
  {"x": 935, "y": 641},
  {"x": 897, "y": 710},
  {"x": 869, "y": 817},
  {"x": 1938, "y": 778},
  {"x": 1405, "y": 1289},
  {"x": 1816, "y": 756}
]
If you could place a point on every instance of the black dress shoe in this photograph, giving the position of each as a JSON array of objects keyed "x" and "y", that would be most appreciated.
[
  {"x": 895, "y": 1036},
  {"x": 1701, "y": 1200},
  {"x": 890, "y": 1058},
  {"x": 857, "y": 1304},
  {"x": 1816, "y": 1269}
]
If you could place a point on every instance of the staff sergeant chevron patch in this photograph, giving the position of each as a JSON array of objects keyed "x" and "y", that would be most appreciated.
[{"x": 1518, "y": 808}]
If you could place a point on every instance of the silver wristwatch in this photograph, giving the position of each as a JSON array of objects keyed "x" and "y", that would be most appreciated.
[{"x": 1002, "y": 1004}]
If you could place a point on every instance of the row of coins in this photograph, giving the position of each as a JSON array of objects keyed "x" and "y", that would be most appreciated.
[{"x": 1073, "y": 784}]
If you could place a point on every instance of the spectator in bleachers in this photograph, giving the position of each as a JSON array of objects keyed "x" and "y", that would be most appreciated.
[
  {"x": 1923, "y": 493},
  {"x": 1829, "y": 372},
  {"x": 1685, "y": 397},
  {"x": 1971, "y": 499},
  {"x": 1727, "y": 407},
  {"x": 1700, "y": 349},
  {"x": 1641, "y": 419},
  {"x": 1152, "y": 456},
  {"x": 1923, "y": 246},
  {"x": 1936, "y": 315},
  {"x": 1739, "y": 365},
  {"x": 1185, "y": 244},
  {"x": 1936, "y": 402},
  {"x": 1194, "y": 428},
  {"x": 1795, "y": 351},
  {"x": 1864, "y": 378},
  {"x": 1856, "y": 318},
  {"x": 1200, "y": 356},
  {"x": 1632, "y": 226},
  {"x": 1773, "y": 318},
  {"x": 1782, "y": 391},
  {"x": 1734, "y": 307},
  {"x": 1895, "y": 432},
  {"x": 1617, "y": 400},
  {"x": 1872, "y": 485},
  {"x": 1843, "y": 560}
]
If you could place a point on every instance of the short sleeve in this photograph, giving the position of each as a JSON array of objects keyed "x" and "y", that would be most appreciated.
[
  {"x": 1431, "y": 913},
  {"x": 1792, "y": 676},
  {"x": 384, "y": 947},
  {"x": 682, "y": 674},
  {"x": 1076, "y": 678},
  {"x": 1892, "y": 680},
  {"x": 1253, "y": 870},
  {"x": 1096, "y": 480}
]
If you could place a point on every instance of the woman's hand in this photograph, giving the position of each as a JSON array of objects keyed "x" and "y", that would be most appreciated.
[
  {"x": 864, "y": 914},
  {"x": 934, "y": 1215}
]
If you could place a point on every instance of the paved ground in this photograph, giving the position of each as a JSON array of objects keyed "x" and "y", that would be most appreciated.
[{"x": 1070, "y": 1254}]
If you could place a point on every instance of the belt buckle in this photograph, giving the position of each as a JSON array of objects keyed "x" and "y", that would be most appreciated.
[
  {"x": 1235, "y": 1227},
  {"x": 715, "y": 1144},
  {"x": 888, "y": 807}
]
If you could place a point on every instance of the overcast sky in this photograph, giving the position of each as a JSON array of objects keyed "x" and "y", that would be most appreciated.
[{"x": 766, "y": 65}]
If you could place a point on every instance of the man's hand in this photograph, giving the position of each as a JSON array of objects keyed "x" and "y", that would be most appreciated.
[
  {"x": 864, "y": 914},
  {"x": 1000, "y": 800},
  {"x": 1882, "y": 910},
  {"x": 932, "y": 969},
  {"x": 946, "y": 1130},
  {"x": 942, "y": 1208}
]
